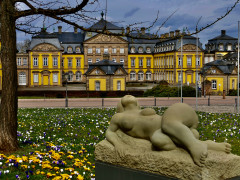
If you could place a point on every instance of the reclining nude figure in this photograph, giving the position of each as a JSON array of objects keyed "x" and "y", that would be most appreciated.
[{"x": 177, "y": 127}]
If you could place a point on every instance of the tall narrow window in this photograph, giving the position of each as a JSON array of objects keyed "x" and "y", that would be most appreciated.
[
  {"x": 35, "y": 61},
  {"x": 148, "y": 62},
  {"x": 189, "y": 60},
  {"x": 214, "y": 84},
  {"x": 55, "y": 61},
  {"x": 148, "y": 76},
  {"x": 19, "y": 61},
  {"x": 78, "y": 76},
  {"x": 179, "y": 76},
  {"x": 140, "y": 76},
  {"x": 233, "y": 84},
  {"x": 55, "y": 78},
  {"x": 198, "y": 61},
  {"x": 25, "y": 63},
  {"x": 97, "y": 85},
  {"x": 114, "y": 50},
  {"x": 132, "y": 62},
  {"x": 132, "y": 76},
  {"x": 62, "y": 63},
  {"x": 179, "y": 61},
  {"x": 70, "y": 76},
  {"x": 35, "y": 78},
  {"x": 45, "y": 61},
  {"x": 140, "y": 62},
  {"x": 78, "y": 62},
  {"x": 118, "y": 85},
  {"x": 70, "y": 63},
  {"x": 105, "y": 50}
]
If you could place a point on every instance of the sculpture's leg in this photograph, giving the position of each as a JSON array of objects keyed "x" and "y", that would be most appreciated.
[
  {"x": 162, "y": 141},
  {"x": 195, "y": 133},
  {"x": 185, "y": 137},
  {"x": 225, "y": 147}
]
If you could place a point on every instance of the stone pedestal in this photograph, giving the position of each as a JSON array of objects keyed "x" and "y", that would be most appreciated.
[{"x": 169, "y": 164}]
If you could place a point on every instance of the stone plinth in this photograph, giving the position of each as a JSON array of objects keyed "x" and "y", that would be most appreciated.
[{"x": 177, "y": 163}]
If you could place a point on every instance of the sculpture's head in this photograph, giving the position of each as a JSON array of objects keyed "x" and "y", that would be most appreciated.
[{"x": 129, "y": 103}]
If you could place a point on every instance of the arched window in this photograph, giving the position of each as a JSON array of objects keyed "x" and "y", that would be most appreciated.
[
  {"x": 148, "y": 76},
  {"x": 140, "y": 49},
  {"x": 22, "y": 79},
  {"x": 97, "y": 85},
  {"x": 132, "y": 76},
  {"x": 221, "y": 47},
  {"x": 78, "y": 50},
  {"x": 70, "y": 76},
  {"x": 69, "y": 50},
  {"x": 78, "y": 76},
  {"x": 229, "y": 47},
  {"x": 133, "y": 49},
  {"x": 140, "y": 76}
]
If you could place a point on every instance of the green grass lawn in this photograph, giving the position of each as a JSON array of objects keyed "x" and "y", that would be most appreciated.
[{"x": 59, "y": 143}]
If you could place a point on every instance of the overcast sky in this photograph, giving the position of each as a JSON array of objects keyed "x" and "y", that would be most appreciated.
[{"x": 124, "y": 12}]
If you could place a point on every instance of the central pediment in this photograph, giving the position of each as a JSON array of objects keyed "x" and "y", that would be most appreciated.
[{"x": 106, "y": 39}]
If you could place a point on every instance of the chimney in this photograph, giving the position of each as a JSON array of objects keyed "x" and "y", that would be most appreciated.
[
  {"x": 143, "y": 30},
  {"x": 75, "y": 30},
  {"x": 171, "y": 34},
  {"x": 128, "y": 30},
  {"x": 60, "y": 29},
  {"x": 166, "y": 35},
  {"x": 177, "y": 32},
  {"x": 223, "y": 32}
]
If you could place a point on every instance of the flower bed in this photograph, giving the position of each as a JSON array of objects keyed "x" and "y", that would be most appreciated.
[{"x": 59, "y": 143}]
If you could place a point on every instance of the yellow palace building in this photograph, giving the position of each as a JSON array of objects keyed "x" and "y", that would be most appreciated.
[{"x": 175, "y": 64}]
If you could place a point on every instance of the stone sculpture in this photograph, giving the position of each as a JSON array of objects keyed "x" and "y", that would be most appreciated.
[{"x": 176, "y": 128}]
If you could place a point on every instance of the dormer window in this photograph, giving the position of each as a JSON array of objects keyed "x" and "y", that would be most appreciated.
[
  {"x": 78, "y": 50},
  {"x": 229, "y": 47},
  {"x": 220, "y": 47},
  {"x": 132, "y": 49},
  {"x": 140, "y": 49},
  {"x": 148, "y": 50},
  {"x": 69, "y": 50}
]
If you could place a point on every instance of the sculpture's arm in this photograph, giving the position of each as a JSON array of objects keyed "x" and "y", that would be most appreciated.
[{"x": 111, "y": 132}]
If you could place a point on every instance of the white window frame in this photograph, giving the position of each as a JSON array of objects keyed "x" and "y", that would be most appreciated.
[
  {"x": 70, "y": 76},
  {"x": 148, "y": 62},
  {"x": 35, "y": 61},
  {"x": 148, "y": 76},
  {"x": 132, "y": 76},
  {"x": 78, "y": 62},
  {"x": 179, "y": 76},
  {"x": 35, "y": 78},
  {"x": 114, "y": 60},
  {"x": 78, "y": 76},
  {"x": 133, "y": 50},
  {"x": 97, "y": 60},
  {"x": 140, "y": 60},
  {"x": 69, "y": 50},
  {"x": 221, "y": 47},
  {"x": 148, "y": 50},
  {"x": 122, "y": 60},
  {"x": 89, "y": 60},
  {"x": 119, "y": 85},
  {"x": 89, "y": 50},
  {"x": 19, "y": 61},
  {"x": 105, "y": 50},
  {"x": 45, "y": 61},
  {"x": 25, "y": 62},
  {"x": 55, "y": 77},
  {"x": 180, "y": 61},
  {"x": 133, "y": 62},
  {"x": 97, "y": 85},
  {"x": 198, "y": 61},
  {"x": 121, "y": 50},
  {"x": 78, "y": 50},
  {"x": 55, "y": 61},
  {"x": 229, "y": 47},
  {"x": 114, "y": 50},
  {"x": 22, "y": 79},
  {"x": 140, "y": 50},
  {"x": 189, "y": 60},
  {"x": 98, "y": 50},
  {"x": 214, "y": 84},
  {"x": 140, "y": 76},
  {"x": 69, "y": 62}
]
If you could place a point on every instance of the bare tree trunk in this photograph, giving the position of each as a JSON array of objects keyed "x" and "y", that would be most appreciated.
[{"x": 8, "y": 112}]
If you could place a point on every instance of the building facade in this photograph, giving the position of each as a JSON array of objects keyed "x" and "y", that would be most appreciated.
[{"x": 99, "y": 62}]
